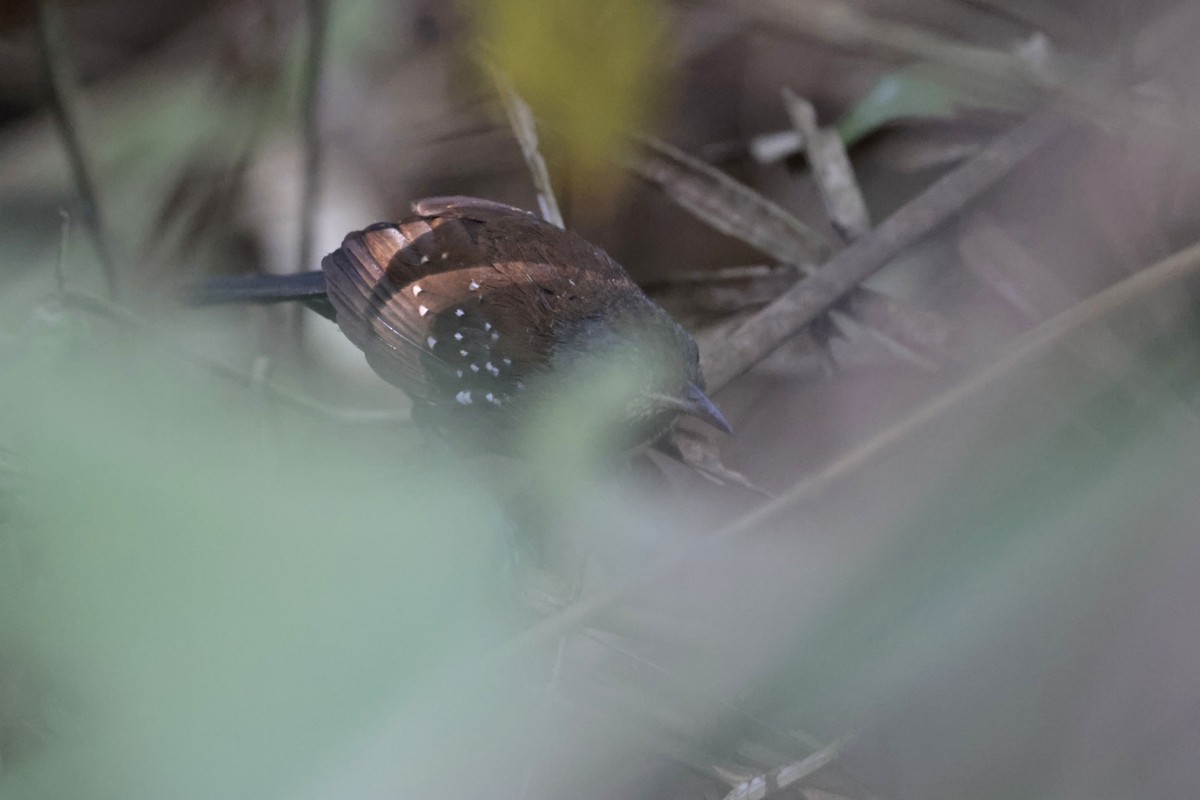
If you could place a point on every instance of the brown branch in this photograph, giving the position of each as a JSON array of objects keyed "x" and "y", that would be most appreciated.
[
  {"x": 828, "y": 284},
  {"x": 64, "y": 97}
]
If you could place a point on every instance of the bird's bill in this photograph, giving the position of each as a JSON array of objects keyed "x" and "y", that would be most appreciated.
[
  {"x": 698, "y": 405},
  {"x": 695, "y": 403}
]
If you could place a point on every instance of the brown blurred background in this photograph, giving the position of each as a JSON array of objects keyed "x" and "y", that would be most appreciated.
[{"x": 1000, "y": 605}]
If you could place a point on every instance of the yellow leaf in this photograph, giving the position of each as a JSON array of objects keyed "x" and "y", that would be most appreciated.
[{"x": 590, "y": 69}]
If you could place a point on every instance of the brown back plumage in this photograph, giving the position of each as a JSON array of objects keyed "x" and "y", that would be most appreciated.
[{"x": 460, "y": 304}]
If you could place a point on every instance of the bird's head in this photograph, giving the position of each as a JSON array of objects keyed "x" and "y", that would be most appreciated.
[{"x": 652, "y": 361}]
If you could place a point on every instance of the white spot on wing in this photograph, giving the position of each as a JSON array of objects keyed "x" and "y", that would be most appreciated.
[
  {"x": 463, "y": 397},
  {"x": 431, "y": 341},
  {"x": 424, "y": 259},
  {"x": 474, "y": 368},
  {"x": 417, "y": 290},
  {"x": 423, "y": 310},
  {"x": 487, "y": 326},
  {"x": 460, "y": 372},
  {"x": 507, "y": 362},
  {"x": 492, "y": 369},
  {"x": 473, "y": 285},
  {"x": 458, "y": 312},
  {"x": 458, "y": 337},
  {"x": 495, "y": 336},
  {"x": 462, "y": 353}
]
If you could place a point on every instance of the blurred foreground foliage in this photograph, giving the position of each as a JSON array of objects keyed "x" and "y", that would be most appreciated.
[{"x": 205, "y": 582}]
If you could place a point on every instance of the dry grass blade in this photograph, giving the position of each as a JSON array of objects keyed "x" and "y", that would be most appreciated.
[
  {"x": 781, "y": 779},
  {"x": 317, "y": 12},
  {"x": 520, "y": 118},
  {"x": 831, "y": 168},
  {"x": 63, "y": 102},
  {"x": 727, "y": 205},
  {"x": 827, "y": 285}
]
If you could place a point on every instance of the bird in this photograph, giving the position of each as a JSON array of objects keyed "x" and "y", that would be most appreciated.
[{"x": 473, "y": 308}]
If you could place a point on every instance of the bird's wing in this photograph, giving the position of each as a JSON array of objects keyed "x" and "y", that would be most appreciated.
[{"x": 465, "y": 294}]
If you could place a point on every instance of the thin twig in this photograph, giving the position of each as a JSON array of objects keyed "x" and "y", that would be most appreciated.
[
  {"x": 1063, "y": 332},
  {"x": 64, "y": 100},
  {"x": 317, "y": 12},
  {"x": 780, "y": 779},
  {"x": 828, "y": 284},
  {"x": 520, "y": 118}
]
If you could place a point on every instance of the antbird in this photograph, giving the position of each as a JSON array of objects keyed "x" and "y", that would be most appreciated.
[{"x": 472, "y": 307}]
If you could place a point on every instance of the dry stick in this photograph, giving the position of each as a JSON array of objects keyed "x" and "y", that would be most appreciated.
[
  {"x": 735, "y": 209},
  {"x": 317, "y": 12},
  {"x": 831, "y": 169},
  {"x": 1028, "y": 349},
  {"x": 847, "y": 211},
  {"x": 520, "y": 118},
  {"x": 829, "y": 283},
  {"x": 63, "y": 102}
]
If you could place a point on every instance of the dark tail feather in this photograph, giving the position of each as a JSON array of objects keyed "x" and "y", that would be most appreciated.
[{"x": 305, "y": 287}]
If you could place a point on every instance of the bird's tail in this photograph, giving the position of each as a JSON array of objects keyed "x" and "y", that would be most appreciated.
[{"x": 304, "y": 287}]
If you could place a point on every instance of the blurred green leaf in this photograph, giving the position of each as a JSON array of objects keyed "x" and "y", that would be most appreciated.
[
  {"x": 919, "y": 91},
  {"x": 202, "y": 589}
]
